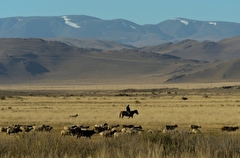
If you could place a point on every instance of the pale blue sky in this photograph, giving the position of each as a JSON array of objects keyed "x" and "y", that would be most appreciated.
[{"x": 138, "y": 11}]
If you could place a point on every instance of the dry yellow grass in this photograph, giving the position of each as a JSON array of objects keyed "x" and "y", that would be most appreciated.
[{"x": 210, "y": 108}]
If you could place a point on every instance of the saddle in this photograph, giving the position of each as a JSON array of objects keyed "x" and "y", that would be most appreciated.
[{"x": 128, "y": 112}]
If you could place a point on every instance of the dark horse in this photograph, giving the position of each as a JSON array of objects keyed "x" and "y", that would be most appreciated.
[{"x": 125, "y": 113}]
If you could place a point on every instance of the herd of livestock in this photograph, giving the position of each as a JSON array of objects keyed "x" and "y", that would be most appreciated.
[
  {"x": 103, "y": 130},
  {"x": 25, "y": 128}
]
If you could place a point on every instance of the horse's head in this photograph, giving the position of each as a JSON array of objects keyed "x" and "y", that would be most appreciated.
[{"x": 136, "y": 112}]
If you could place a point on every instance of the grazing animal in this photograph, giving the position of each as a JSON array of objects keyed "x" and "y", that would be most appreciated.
[
  {"x": 26, "y": 128},
  {"x": 194, "y": 131},
  {"x": 100, "y": 128},
  {"x": 125, "y": 113},
  {"x": 65, "y": 133},
  {"x": 71, "y": 131},
  {"x": 13, "y": 129},
  {"x": 137, "y": 127},
  {"x": 229, "y": 128},
  {"x": 3, "y": 129},
  {"x": 113, "y": 126},
  {"x": 84, "y": 127},
  {"x": 118, "y": 134},
  {"x": 47, "y": 128},
  {"x": 38, "y": 128},
  {"x": 195, "y": 126},
  {"x": 71, "y": 127},
  {"x": 42, "y": 128},
  {"x": 169, "y": 128},
  {"x": 107, "y": 133},
  {"x": 85, "y": 133},
  {"x": 127, "y": 126},
  {"x": 132, "y": 131},
  {"x": 76, "y": 115}
]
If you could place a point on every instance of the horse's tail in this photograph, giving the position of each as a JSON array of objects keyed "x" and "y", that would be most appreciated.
[{"x": 120, "y": 114}]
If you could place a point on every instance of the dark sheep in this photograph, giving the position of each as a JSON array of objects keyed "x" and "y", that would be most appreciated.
[
  {"x": 229, "y": 128},
  {"x": 85, "y": 133},
  {"x": 171, "y": 127}
]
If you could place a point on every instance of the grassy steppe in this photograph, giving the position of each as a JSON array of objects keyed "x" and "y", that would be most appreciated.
[{"x": 211, "y": 108}]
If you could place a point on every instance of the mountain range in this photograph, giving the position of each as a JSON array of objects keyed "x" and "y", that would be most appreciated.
[
  {"x": 87, "y": 50},
  {"x": 117, "y": 30},
  {"x": 39, "y": 61}
]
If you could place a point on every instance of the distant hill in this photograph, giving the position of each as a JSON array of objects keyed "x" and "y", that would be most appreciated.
[
  {"x": 93, "y": 44},
  {"x": 33, "y": 60},
  {"x": 206, "y": 50},
  {"x": 227, "y": 71},
  {"x": 39, "y": 61},
  {"x": 118, "y": 30}
]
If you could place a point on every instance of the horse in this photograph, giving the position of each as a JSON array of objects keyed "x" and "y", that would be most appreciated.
[{"x": 125, "y": 113}]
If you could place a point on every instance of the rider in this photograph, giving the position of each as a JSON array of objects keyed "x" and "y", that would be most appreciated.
[{"x": 128, "y": 109}]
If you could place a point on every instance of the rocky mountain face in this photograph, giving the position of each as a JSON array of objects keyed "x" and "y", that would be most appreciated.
[{"x": 118, "y": 30}]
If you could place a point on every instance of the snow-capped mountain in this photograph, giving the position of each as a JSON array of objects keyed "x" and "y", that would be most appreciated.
[{"x": 119, "y": 30}]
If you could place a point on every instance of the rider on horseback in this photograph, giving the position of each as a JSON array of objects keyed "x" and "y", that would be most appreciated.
[{"x": 128, "y": 109}]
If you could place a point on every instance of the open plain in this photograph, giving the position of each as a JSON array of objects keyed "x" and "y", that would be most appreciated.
[{"x": 211, "y": 108}]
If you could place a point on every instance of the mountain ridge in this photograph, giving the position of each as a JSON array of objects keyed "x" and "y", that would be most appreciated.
[{"x": 118, "y": 30}]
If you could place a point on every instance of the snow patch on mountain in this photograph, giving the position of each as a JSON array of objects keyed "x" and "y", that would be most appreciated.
[
  {"x": 18, "y": 19},
  {"x": 133, "y": 27},
  {"x": 68, "y": 22},
  {"x": 213, "y": 23},
  {"x": 185, "y": 22}
]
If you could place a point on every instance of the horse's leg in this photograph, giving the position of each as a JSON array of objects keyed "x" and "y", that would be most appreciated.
[{"x": 121, "y": 115}]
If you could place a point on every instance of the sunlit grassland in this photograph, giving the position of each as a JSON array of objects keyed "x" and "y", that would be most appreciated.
[
  {"x": 210, "y": 108},
  {"x": 156, "y": 109}
]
